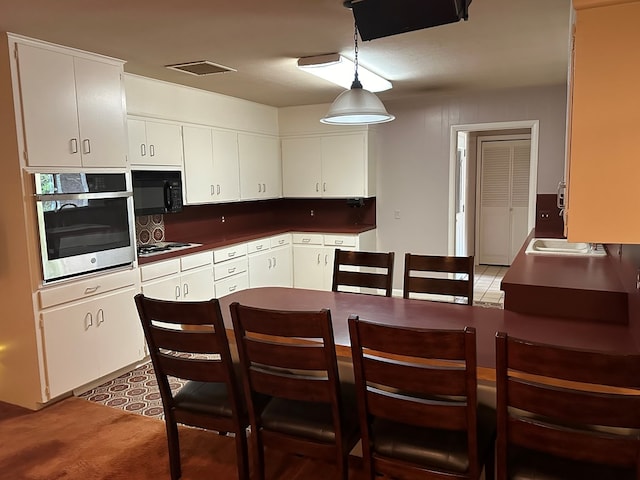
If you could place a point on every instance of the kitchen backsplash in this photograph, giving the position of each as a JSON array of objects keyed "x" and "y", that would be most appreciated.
[{"x": 149, "y": 229}]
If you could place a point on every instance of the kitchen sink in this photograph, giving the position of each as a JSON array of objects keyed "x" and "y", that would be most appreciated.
[{"x": 560, "y": 246}]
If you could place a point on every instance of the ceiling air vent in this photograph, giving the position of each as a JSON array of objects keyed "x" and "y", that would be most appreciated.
[{"x": 200, "y": 68}]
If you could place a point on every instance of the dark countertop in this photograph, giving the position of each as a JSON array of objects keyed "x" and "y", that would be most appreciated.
[
  {"x": 211, "y": 243},
  {"x": 569, "y": 287}
]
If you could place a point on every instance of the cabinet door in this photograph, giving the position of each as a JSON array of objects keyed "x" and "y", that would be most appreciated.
[
  {"x": 101, "y": 113},
  {"x": 167, "y": 288},
  {"x": 260, "y": 269},
  {"x": 308, "y": 267},
  {"x": 197, "y": 285},
  {"x": 226, "y": 170},
  {"x": 163, "y": 145},
  {"x": 282, "y": 271},
  {"x": 260, "y": 167},
  {"x": 343, "y": 165},
  {"x": 49, "y": 110},
  {"x": 69, "y": 342},
  {"x": 328, "y": 256},
  {"x": 120, "y": 337},
  {"x": 198, "y": 165},
  {"x": 137, "y": 140},
  {"x": 604, "y": 167},
  {"x": 301, "y": 167}
]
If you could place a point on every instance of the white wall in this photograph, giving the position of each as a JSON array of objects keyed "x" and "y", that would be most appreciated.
[{"x": 413, "y": 161}]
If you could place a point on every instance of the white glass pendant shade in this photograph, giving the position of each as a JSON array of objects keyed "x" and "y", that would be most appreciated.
[{"x": 357, "y": 106}]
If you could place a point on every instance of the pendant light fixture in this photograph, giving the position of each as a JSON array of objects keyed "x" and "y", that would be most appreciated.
[{"x": 356, "y": 106}]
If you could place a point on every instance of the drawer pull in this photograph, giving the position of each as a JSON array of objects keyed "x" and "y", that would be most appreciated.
[
  {"x": 231, "y": 270},
  {"x": 259, "y": 247},
  {"x": 281, "y": 241},
  {"x": 339, "y": 242},
  {"x": 233, "y": 288},
  {"x": 231, "y": 254},
  {"x": 306, "y": 240},
  {"x": 90, "y": 290}
]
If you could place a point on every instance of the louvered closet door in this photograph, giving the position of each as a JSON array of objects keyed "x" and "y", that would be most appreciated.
[{"x": 504, "y": 200}]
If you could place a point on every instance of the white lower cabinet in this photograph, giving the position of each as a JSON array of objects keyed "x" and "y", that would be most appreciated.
[
  {"x": 270, "y": 262},
  {"x": 230, "y": 269},
  {"x": 188, "y": 278},
  {"x": 314, "y": 253},
  {"x": 89, "y": 338}
]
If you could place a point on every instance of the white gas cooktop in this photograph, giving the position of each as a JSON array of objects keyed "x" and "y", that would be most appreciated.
[{"x": 163, "y": 247}]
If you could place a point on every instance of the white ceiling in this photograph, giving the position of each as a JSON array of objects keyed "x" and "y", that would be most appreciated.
[{"x": 505, "y": 43}]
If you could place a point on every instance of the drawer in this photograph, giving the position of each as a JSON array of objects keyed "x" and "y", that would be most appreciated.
[
  {"x": 308, "y": 238},
  {"x": 50, "y": 296},
  {"x": 280, "y": 240},
  {"x": 232, "y": 284},
  {"x": 159, "y": 269},
  {"x": 196, "y": 260},
  {"x": 340, "y": 240},
  {"x": 227, "y": 253},
  {"x": 230, "y": 267},
  {"x": 258, "y": 245}
]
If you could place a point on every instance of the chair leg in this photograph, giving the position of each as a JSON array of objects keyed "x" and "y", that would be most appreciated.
[
  {"x": 174, "y": 449},
  {"x": 343, "y": 467},
  {"x": 258, "y": 454},
  {"x": 242, "y": 455}
]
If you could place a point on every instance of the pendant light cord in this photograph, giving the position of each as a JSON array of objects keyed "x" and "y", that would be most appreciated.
[{"x": 356, "y": 83}]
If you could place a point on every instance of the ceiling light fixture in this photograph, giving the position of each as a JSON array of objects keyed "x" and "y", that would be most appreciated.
[
  {"x": 356, "y": 106},
  {"x": 339, "y": 70}
]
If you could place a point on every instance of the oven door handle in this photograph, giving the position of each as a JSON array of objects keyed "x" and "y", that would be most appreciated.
[{"x": 80, "y": 196}]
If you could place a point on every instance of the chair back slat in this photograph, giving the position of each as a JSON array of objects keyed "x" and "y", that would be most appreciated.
[
  {"x": 200, "y": 370},
  {"x": 187, "y": 341},
  {"x": 276, "y": 323},
  {"x": 293, "y": 387},
  {"x": 446, "y": 415},
  {"x": 433, "y": 380},
  {"x": 295, "y": 356},
  {"x": 423, "y": 274},
  {"x": 570, "y": 403},
  {"x": 374, "y": 270}
]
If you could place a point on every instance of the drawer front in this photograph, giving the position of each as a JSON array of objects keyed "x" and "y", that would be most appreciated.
[
  {"x": 231, "y": 267},
  {"x": 228, "y": 253},
  {"x": 159, "y": 269},
  {"x": 280, "y": 240},
  {"x": 308, "y": 238},
  {"x": 196, "y": 260},
  {"x": 340, "y": 240},
  {"x": 80, "y": 289},
  {"x": 258, "y": 245},
  {"x": 232, "y": 284}
]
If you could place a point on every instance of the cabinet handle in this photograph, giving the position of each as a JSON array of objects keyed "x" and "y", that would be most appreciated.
[
  {"x": 259, "y": 188},
  {"x": 73, "y": 143},
  {"x": 86, "y": 146},
  {"x": 264, "y": 188},
  {"x": 90, "y": 290},
  {"x": 185, "y": 290},
  {"x": 231, "y": 270},
  {"x": 100, "y": 317},
  {"x": 339, "y": 242},
  {"x": 274, "y": 262},
  {"x": 324, "y": 186},
  {"x": 317, "y": 186},
  {"x": 213, "y": 191},
  {"x": 143, "y": 150},
  {"x": 88, "y": 320},
  {"x": 152, "y": 150},
  {"x": 231, "y": 254},
  {"x": 281, "y": 241},
  {"x": 326, "y": 259},
  {"x": 218, "y": 189},
  {"x": 177, "y": 292},
  {"x": 269, "y": 263},
  {"x": 233, "y": 288},
  {"x": 259, "y": 247},
  {"x": 318, "y": 259},
  {"x": 306, "y": 240}
]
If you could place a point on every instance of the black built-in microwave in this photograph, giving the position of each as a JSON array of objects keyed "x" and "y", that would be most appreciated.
[{"x": 156, "y": 191}]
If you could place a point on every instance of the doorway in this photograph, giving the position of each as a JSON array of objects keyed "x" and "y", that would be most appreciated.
[{"x": 465, "y": 175}]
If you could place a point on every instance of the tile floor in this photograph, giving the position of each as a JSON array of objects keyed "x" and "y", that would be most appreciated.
[{"x": 486, "y": 287}]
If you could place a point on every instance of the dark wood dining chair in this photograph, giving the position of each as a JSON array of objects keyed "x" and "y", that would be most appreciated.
[
  {"x": 289, "y": 362},
  {"x": 439, "y": 275},
  {"x": 566, "y": 414},
  {"x": 372, "y": 271},
  {"x": 187, "y": 340},
  {"x": 417, "y": 402}
]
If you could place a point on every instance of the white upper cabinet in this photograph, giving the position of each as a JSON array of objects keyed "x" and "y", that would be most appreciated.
[
  {"x": 72, "y": 108},
  {"x": 260, "y": 167},
  {"x": 154, "y": 143},
  {"x": 211, "y": 165},
  {"x": 330, "y": 166}
]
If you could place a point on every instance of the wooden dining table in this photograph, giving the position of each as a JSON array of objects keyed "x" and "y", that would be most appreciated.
[{"x": 435, "y": 315}]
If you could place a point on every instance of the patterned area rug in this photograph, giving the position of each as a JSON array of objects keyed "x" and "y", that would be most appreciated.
[{"x": 135, "y": 391}]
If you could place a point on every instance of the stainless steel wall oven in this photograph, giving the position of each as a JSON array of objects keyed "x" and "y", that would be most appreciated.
[{"x": 84, "y": 221}]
